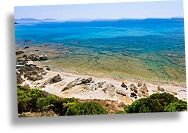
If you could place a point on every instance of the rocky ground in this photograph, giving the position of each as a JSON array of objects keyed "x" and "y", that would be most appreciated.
[{"x": 85, "y": 87}]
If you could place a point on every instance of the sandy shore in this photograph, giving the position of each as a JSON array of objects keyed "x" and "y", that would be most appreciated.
[{"x": 79, "y": 91}]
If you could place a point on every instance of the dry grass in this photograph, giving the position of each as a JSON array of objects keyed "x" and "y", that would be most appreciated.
[{"x": 37, "y": 114}]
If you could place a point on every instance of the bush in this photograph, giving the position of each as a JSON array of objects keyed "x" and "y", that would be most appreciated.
[
  {"x": 163, "y": 102},
  {"x": 62, "y": 104},
  {"x": 27, "y": 99},
  {"x": 164, "y": 98},
  {"x": 120, "y": 112},
  {"x": 177, "y": 106},
  {"x": 58, "y": 105},
  {"x": 33, "y": 100},
  {"x": 186, "y": 105},
  {"x": 46, "y": 103},
  {"x": 88, "y": 108}
]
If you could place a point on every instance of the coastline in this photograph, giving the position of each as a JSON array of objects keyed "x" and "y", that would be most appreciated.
[
  {"x": 79, "y": 92},
  {"x": 57, "y": 62}
]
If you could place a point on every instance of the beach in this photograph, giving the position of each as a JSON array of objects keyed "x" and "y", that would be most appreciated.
[{"x": 98, "y": 87}]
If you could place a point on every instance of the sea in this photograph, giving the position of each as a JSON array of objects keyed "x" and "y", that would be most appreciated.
[{"x": 141, "y": 49}]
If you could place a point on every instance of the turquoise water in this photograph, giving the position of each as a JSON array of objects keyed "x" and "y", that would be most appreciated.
[{"x": 148, "y": 48}]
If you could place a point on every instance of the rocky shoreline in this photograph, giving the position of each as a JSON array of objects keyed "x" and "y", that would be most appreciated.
[{"x": 31, "y": 74}]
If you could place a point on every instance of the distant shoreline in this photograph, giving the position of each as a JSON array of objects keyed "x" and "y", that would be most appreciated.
[{"x": 86, "y": 20}]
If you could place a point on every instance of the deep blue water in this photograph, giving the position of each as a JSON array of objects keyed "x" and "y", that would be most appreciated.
[
  {"x": 136, "y": 36},
  {"x": 150, "y": 34}
]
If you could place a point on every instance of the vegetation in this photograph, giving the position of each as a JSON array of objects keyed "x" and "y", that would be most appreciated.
[
  {"x": 37, "y": 103},
  {"x": 37, "y": 114},
  {"x": 177, "y": 106},
  {"x": 120, "y": 112},
  {"x": 46, "y": 103},
  {"x": 27, "y": 99},
  {"x": 163, "y": 102},
  {"x": 33, "y": 100},
  {"x": 88, "y": 108}
]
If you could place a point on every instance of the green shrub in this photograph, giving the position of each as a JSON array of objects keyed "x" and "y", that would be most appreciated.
[
  {"x": 62, "y": 104},
  {"x": 177, "y": 106},
  {"x": 33, "y": 100},
  {"x": 164, "y": 98},
  {"x": 59, "y": 105},
  {"x": 46, "y": 103},
  {"x": 156, "y": 103},
  {"x": 88, "y": 108},
  {"x": 186, "y": 102},
  {"x": 186, "y": 105},
  {"x": 120, "y": 112},
  {"x": 27, "y": 99}
]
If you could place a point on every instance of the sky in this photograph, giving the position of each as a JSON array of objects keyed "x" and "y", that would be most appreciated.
[{"x": 153, "y": 9}]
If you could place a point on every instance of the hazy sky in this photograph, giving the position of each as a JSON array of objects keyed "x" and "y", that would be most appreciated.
[{"x": 157, "y": 9}]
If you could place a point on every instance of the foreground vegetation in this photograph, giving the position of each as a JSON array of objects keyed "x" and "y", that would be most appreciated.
[
  {"x": 37, "y": 103},
  {"x": 43, "y": 104},
  {"x": 157, "y": 102}
]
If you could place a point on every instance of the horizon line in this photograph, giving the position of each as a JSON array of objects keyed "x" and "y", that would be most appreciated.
[{"x": 97, "y": 19}]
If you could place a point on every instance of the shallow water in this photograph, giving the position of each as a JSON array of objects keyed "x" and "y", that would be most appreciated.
[{"x": 139, "y": 49}]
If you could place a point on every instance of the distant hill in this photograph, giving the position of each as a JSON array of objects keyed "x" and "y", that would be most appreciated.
[
  {"x": 49, "y": 19},
  {"x": 166, "y": 18},
  {"x": 28, "y": 19},
  {"x": 177, "y": 18}
]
